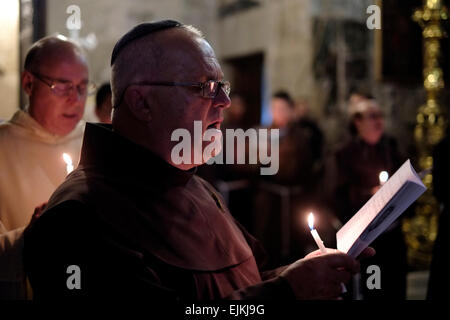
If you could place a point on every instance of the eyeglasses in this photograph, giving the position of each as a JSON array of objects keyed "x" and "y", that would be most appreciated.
[
  {"x": 209, "y": 89},
  {"x": 65, "y": 87}
]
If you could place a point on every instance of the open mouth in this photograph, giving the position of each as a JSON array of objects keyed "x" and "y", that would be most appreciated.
[{"x": 214, "y": 125}]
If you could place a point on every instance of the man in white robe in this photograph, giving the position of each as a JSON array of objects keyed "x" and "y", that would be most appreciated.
[
  {"x": 32, "y": 144},
  {"x": 31, "y": 165}
]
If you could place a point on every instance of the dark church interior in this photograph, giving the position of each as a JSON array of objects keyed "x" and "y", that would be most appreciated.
[{"x": 331, "y": 148}]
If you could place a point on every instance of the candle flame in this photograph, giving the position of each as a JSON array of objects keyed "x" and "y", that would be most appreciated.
[
  {"x": 311, "y": 220},
  {"x": 68, "y": 160},
  {"x": 384, "y": 176}
]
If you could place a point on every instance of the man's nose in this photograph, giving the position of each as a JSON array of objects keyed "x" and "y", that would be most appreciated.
[{"x": 222, "y": 100}]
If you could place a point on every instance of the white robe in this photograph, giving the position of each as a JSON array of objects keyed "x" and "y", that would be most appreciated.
[{"x": 31, "y": 168}]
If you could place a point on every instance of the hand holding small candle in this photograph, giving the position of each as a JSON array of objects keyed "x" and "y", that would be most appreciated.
[
  {"x": 319, "y": 241},
  {"x": 321, "y": 275}
]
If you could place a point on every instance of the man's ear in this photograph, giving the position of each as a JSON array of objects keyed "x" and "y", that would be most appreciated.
[
  {"x": 138, "y": 105},
  {"x": 27, "y": 82}
]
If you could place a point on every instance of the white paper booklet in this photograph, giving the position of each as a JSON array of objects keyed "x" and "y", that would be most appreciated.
[{"x": 385, "y": 206}]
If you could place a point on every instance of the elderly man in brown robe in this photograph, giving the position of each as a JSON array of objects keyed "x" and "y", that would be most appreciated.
[{"x": 130, "y": 222}]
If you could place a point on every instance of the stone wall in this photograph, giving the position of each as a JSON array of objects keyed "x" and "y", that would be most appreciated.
[{"x": 9, "y": 58}]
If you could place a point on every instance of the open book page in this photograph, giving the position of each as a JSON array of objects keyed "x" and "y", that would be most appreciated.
[{"x": 385, "y": 206}]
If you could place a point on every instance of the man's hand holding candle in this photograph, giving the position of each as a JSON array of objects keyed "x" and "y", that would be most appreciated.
[
  {"x": 322, "y": 273},
  {"x": 367, "y": 253},
  {"x": 318, "y": 276}
]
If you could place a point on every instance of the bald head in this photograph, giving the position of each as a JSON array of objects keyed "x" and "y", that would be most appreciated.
[
  {"x": 50, "y": 51},
  {"x": 55, "y": 78},
  {"x": 151, "y": 57}
]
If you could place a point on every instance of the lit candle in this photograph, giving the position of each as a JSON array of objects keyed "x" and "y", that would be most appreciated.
[
  {"x": 68, "y": 160},
  {"x": 383, "y": 176},
  {"x": 315, "y": 235},
  {"x": 319, "y": 241}
]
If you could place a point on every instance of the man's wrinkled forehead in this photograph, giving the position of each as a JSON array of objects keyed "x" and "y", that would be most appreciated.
[
  {"x": 190, "y": 54},
  {"x": 212, "y": 63},
  {"x": 205, "y": 48},
  {"x": 182, "y": 41},
  {"x": 69, "y": 66}
]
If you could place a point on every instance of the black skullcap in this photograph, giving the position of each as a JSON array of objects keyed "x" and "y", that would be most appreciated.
[{"x": 140, "y": 31}]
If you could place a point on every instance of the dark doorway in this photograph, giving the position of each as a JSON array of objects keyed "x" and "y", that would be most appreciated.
[{"x": 246, "y": 80}]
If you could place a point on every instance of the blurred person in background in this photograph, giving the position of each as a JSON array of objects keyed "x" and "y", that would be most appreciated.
[
  {"x": 359, "y": 162},
  {"x": 310, "y": 128},
  {"x": 296, "y": 158},
  {"x": 103, "y": 105},
  {"x": 275, "y": 199},
  {"x": 32, "y": 144}
]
